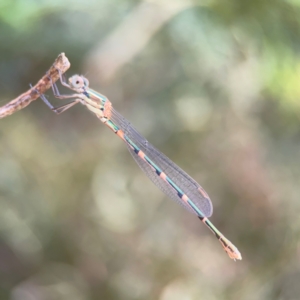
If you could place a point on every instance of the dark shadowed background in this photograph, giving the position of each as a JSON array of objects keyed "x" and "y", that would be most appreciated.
[{"x": 215, "y": 85}]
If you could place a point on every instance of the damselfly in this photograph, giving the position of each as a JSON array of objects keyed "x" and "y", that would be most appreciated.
[{"x": 165, "y": 174}]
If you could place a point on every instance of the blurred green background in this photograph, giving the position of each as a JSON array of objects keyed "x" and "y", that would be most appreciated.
[{"x": 212, "y": 84}]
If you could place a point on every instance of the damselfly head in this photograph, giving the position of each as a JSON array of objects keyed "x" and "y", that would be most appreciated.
[{"x": 78, "y": 82}]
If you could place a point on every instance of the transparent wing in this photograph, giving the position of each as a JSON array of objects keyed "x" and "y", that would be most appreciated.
[{"x": 187, "y": 184}]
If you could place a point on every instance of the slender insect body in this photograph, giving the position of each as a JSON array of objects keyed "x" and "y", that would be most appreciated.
[{"x": 164, "y": 173}]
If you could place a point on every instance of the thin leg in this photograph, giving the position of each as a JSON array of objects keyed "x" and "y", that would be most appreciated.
[
  {"x": 60, "y": 109},
  {"x": 54, "y": 88},
  {"x": 57, "y": 94},
  {"x": 62, "y": 78},
  {"x": 63, "y": 108}
]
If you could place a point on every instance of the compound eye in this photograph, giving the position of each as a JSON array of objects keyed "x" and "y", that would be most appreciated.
[
  {"x": 77, "y": 81},
  {"x": 86, "y": 82}
]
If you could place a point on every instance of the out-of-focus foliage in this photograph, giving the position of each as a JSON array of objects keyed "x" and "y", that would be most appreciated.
[{"x": 215, "y": 86}]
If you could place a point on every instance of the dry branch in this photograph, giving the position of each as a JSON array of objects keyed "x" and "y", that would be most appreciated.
[{"x": 61, "y": 63}]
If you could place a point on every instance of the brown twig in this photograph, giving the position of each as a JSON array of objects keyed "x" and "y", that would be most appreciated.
[{"x": 61, "y": 63}]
